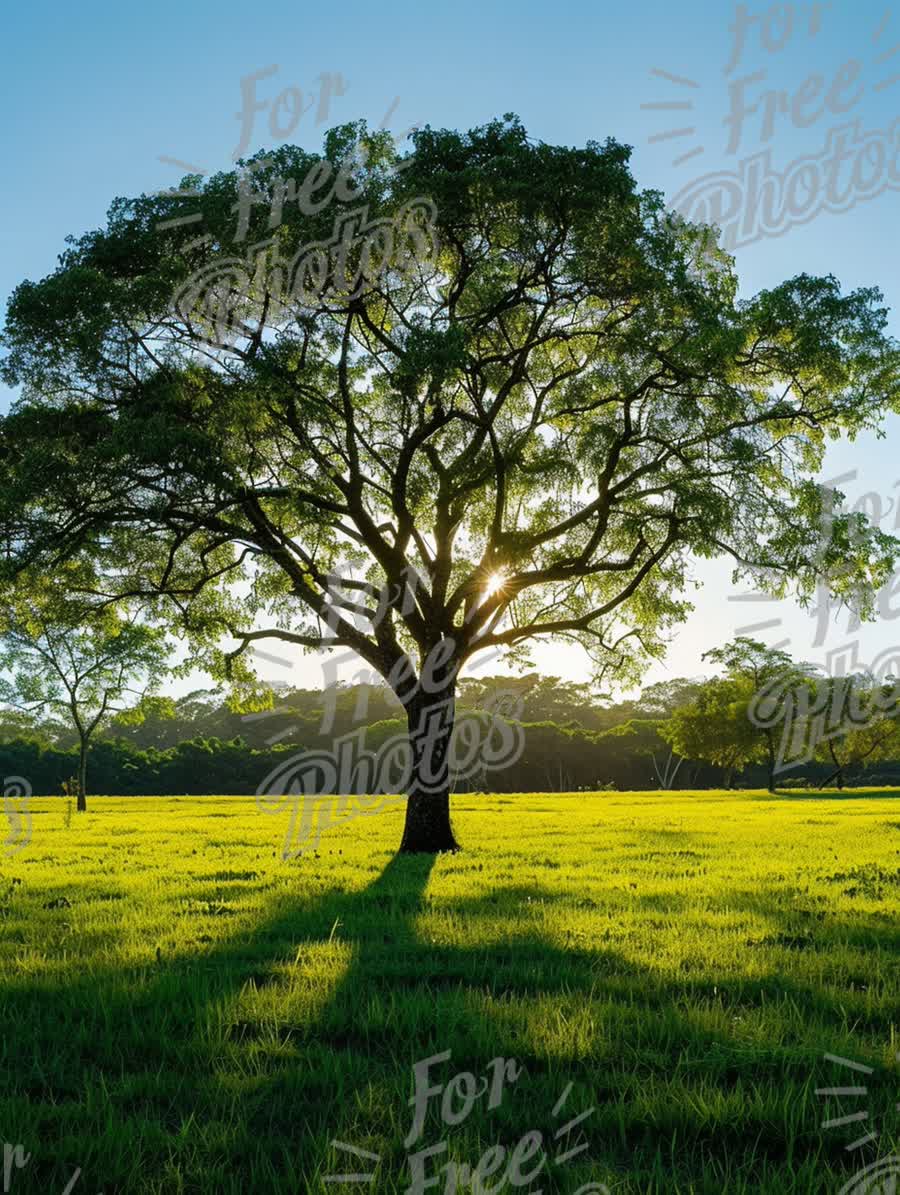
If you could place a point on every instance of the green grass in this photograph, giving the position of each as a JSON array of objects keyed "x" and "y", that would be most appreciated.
[{"x": 184, "y": 1011}]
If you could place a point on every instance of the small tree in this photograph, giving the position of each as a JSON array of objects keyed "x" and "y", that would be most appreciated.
[
  {"x": 867, "y": 729},
  {"x": 641, "y": 737},
  {"x": 770, "y": 680},
  {"x": 81, "y": 670},
  {"x": 715, "y": 726}
]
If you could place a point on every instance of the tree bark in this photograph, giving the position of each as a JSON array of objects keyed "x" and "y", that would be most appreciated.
[
  {"x": 770, "y": 760},
  {"x": 81, "y": 803},
  {"x": 430, "y": 718},
  {"x": 837, "y": 775}
]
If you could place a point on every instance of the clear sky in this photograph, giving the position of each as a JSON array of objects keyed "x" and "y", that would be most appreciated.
[{"x": 94, "y": 95}]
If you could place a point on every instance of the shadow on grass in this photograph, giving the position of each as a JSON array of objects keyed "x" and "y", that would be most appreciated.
[
  {"x": 830, "y": 794},
  {"x": 235, "y": 1070}
]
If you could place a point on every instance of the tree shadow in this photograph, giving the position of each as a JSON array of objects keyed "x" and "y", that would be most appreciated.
[
  {"x": 875, "y": 794},
  {"x": 212, "y": 1075}
]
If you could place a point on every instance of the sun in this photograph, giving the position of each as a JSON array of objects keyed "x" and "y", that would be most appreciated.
[{"x": 493, "y": 584}]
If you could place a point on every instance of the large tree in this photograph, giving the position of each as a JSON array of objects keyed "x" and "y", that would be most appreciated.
[{"x": 520, "y": 426}]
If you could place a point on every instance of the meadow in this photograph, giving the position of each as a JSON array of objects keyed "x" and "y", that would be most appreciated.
[{"x": 185, "y": 1011}]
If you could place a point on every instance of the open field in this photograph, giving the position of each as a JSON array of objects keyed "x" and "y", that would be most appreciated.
[{"x": 186, "y": 1012}]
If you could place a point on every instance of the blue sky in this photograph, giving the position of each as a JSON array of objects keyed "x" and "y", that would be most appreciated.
[{"x": 94, "y": 95}]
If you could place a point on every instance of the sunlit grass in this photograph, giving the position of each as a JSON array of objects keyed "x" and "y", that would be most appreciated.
[{"x": 185, "y": 1011}]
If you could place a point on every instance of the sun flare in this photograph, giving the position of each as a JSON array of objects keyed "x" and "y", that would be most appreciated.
[{"x": 494, "y": 583}]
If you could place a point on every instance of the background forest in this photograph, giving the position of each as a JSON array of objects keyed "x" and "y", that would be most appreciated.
[{"x": 573, "y": 739}]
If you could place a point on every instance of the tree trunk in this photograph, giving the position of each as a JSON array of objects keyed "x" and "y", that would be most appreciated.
[
  {"x": 430, "y": 721},
  {"x": 770, "y": 760},
  {"x": 81, "y": 803},
  {"x": 838, "y": 774}
]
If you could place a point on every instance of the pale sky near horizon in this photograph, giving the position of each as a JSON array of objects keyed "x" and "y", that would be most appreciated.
[{"x": 96, "y": 96}]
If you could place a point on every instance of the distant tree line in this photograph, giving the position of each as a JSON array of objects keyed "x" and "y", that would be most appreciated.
[{"x": 682, "y": 733}]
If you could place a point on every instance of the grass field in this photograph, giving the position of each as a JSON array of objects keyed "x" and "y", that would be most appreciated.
[{"x": 186, "y": 1012}]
